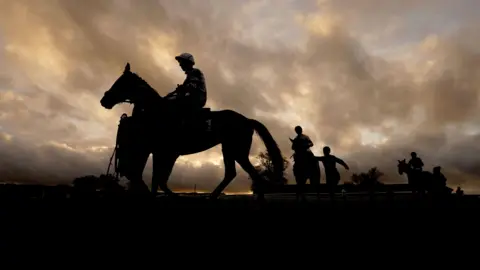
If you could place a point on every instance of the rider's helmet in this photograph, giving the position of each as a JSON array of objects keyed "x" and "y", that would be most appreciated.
[
  {"x": 413, "y": 154},
  {"x": 185, "y": 57}
]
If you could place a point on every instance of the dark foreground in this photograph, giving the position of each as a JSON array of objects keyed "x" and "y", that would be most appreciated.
[
  {"x": 110, "y": 223},
  {"x": 248, "y": 202}
]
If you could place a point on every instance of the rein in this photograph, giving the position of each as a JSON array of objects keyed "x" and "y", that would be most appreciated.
[{"x": 115, "y": 151}]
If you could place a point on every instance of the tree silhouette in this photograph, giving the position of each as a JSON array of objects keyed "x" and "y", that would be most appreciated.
[
  {"x": 86, "y": 183},
  {"x": 369, "y": 179},
  {"x": 89, "y": 184},
  {"x": 266, "y": 168}
]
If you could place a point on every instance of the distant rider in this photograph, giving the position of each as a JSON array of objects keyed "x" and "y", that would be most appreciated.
[
  {"x": 415, "y": 162},
  {"x": 302, "y": 143}
]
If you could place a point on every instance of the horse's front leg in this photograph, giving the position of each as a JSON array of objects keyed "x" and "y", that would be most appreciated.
[
  {"x": 301, "y": 182},
  {"x": 134, "y": 172},
  {"x": 162, "y": 168},
  {"x": 301, "y": 190}
]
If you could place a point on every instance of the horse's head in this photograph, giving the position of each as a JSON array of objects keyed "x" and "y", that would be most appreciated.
[
  {"x": 291, "y": 140},
  {"x": 402, "y": 166},
  {"x": 129, "y": 87}
]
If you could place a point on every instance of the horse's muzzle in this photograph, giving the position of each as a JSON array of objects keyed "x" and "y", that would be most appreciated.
[{"x": 106, "y": 104}]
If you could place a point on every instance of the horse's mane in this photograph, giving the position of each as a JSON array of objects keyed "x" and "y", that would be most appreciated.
[{"x": 145, "y": 83}]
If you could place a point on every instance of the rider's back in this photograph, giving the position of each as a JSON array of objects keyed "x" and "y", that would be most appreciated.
[
  {"x": 416, "y": 163},
  {"x": 195, "y": 83},
  {"x": 301, "y": 143}
]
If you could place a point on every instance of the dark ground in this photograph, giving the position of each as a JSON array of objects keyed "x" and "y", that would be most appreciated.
[
  {"x": 350, "y": 201},
  {"x": 193, "y": 222},
  {"x": 403, "y": 200}
]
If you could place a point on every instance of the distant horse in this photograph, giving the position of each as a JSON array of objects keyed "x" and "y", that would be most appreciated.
[
  {"x": 305, "y": 167},
  {"x": 153, "y": 133},
  {"x": 418, "y": 181}
]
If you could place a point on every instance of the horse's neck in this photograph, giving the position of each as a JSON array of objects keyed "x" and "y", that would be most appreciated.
[
  {"x": 406, "y": 170},
  {"x": 410, "y": 171},
  {"x": 148, "y": 99},
  {"x": 145, "y": 93}
]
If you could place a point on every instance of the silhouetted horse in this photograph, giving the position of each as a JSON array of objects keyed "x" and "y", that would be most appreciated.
[
  {"x": 305, "y": 167},
  {"x": 152, "y": 123},
  {"x": 419, "y": 181}
]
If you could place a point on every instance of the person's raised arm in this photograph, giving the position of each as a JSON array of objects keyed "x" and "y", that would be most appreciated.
[{"x": 341, "y": 162}]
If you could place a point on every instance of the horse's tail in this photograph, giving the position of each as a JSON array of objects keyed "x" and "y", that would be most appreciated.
[{"x": 272, "y": 149}]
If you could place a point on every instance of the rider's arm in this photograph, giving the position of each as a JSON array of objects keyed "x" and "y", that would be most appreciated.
[
  {"x": 174, "y": 94},
  {"x": 319, "y": 158},
  {"x": 420, "y": 162}
]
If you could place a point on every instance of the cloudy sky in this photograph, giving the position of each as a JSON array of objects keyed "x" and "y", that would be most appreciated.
[{"x": 373, "y": 79}]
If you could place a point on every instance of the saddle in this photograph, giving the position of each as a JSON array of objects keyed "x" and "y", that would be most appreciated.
[{"x": 196, "y": 121}]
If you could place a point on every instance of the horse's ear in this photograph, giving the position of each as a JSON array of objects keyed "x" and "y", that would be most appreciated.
[{"x": 127, "y": 68}]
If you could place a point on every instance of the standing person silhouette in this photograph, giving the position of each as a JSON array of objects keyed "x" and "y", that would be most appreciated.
[
  {"x": 332, "y": 175},
  {"x": 439, "y": 177}
]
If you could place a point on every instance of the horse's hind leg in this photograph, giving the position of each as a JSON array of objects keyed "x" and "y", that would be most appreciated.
[
  {"x": 230, "y": 171},
  {"x": 301, "y": 181},
  {"x": 315, "y": 179}
]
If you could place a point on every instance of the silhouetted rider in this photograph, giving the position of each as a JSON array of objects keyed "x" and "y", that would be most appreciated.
[
  {"x": 415, "y": 162},
  {"x": 302, "y": 143},
  {"x": 190, "y": 96}
]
